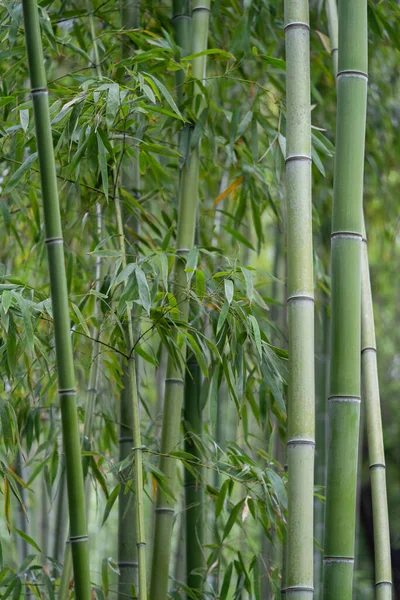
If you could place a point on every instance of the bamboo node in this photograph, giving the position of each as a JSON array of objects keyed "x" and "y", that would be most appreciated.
[
  {"x": 127, "y": 563},
  {"x": 294, "y": 157},
  {"x": 174, "y": 380},
  {"x": 355, "y": 235},
  {"x": 350, "y": 399},
  {"x": 125, "y": 438},
  {"x": 301, "y": 24},
  {"x": 384, "y": 582},
  {"x": 377, "y": 466},
  {"x": 53, "y": 240},
  {"x": 339, "y": 559},
  {"x": 67, "y": 392},
  {"x": 308, "y": 297},
  {"x": 301, "y": 442},
  {"x": 164, "y": 509},
  {"x": 351, "y": 73},
  {"x": 182, "y": 250},
  {"x": 299, "y": 588},
  {"x": 39, "y": 91},
  {"x": 371, "y": 348},
  {"x": 200, "y": 7},
  {"x": 78, "y": 539}
]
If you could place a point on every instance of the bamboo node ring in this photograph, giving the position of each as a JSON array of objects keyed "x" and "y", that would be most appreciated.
[
  {"x": 302, "y": 24},
  {"x": 308, "y": 297},
  {"x": 78, "y": 539},
  {"x": 346, "y": 234},
  {"x": 174, "y": 380},
  {"x": 384, "y": 582},
  {"x": 339, "y": 559},
  {"x": 350, "y": 399},
  {"x": 125, "y": 438},
  {"x": 377, "y": 466},
  {"x": 294, "y": 157},
  {"x": 127, "y": 563},
  {"x": 38, "y": 91},
  {"x": 67, "y": 392},
  {"x": 163, "y": 509},
  {"x": 301, "y": 442},
  {"x": 53, "y": 240},
  {"x": 352, "y": 73},
  {"x": 182, "y": 250},
  {"x": 299, "y": 588},
  {"x": 370, "y": 348}
]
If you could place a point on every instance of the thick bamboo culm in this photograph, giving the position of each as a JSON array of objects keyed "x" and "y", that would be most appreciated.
[
  {"x": 300, "y": 302},
  {"x": 174, "y": 385},
  {"x": 370, "y": 395},
  {"x": 345, "y": 393},
  {"x": 59, "y": 296}
]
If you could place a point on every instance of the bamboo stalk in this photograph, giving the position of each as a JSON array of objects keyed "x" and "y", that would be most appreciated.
[
  {"x": 130, "y": 522},
  {"x": 370, "y": 394},
  {"x": 134, "y": 423},
  {"x": 300, "y": 301},
  {"x": 59, "y": 296},
  {"x": 344, "y": 399},
  {"x": 174, "y": 387},
  {"x": 194, "y": 490}
]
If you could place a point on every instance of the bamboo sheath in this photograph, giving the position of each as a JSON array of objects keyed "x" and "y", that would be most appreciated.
[
  {"x": 59, "y": 296},
  {"x": 300, "y": 439},
  {"x": 370, "y": 395},
  {"x": 344, "y": 399},
  {"x": 174, "y": 385}
]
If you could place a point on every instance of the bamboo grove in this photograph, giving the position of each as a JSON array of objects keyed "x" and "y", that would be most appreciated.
[{"x": 198, "y": 401}]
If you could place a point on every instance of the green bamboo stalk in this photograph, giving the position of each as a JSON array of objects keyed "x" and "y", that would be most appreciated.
[
  {"x": 59, "y": 295},
  {"x": 174, "y": 387},
  {"x": 300, "y": 438},
  {"x": 129, "y": 521},
  {"x": 333, "y": 27},
  {"x": 344, "y": 399},
  {"x": 370, "y": 394},
  {"x": 194, "y": 490},
  {"x": 130, "y": 418}
]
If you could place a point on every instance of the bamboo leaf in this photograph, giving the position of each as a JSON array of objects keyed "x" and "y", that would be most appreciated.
[
  {"x": 144, "y": 291},
  {"x": 228, "y": 190},
  {"x": 226, "y": 582},
  {"x": 233, "y": 517},
  {"x": 81, "y": 319},
  {"x": 103, "y": 164},
  {"x": 164, "y": 91},
  {"x": 248, "y": 277},
  {"x": 239, "y": 237},
  {"x": 110, "y": 502},
  {"x": 28, "y": 539},
  {"x": 229, "y": 290},
  {"x": 257, "y": 333},
  {"x": 19, "y": 173},
  {"x": 112, "y": 103}
]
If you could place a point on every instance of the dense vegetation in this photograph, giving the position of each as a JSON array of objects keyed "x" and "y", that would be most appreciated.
[{"x": 198, "y": 262}]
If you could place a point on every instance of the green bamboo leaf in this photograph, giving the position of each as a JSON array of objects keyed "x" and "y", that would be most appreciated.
[
  {"x": 110, "y": 502},
  {"x": 208, "y": 52},
  {"x": 11, "y": 343},
  {"x": 164, "y": 91},
  {"x": 219, "y": 504},
  {"x": 233, "y": 518},
  {"x": 226, "y": 582},
  {"x": 198, "y": 128},
  {"x": 191, "y": 263},
  {"x": 257, "y": 333},
  {"x": 81, "y": 319},
  {"x": 200, "y": 284},
  {"x": 28, "y": 539},
  {"x": 112, "y": 103},
  {"x": 248, "y": 277},
  {"x": 229, "y": 289},
  {"x": 198, "y": 353},
  {"x": 124, "y": 274},
  {"x": 19, "y": 173},
  {"x": 6, "y": 424},
  {"x": 6, "y": 298},
  {"x": 144, "y": 291},
  {"x": 278, "y": 487},
  {"x": 24, "y": 119},
  {"x": 222, "y": 316},
  {"x": 103, "y": 164},
  {"x": 278, "y": 63},
  {"x": 239, "y": 237},
  {"x": 104, "y": 577}
]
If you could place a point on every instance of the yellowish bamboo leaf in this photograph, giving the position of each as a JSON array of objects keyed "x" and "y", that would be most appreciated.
[{"x": 228, "y": 190}]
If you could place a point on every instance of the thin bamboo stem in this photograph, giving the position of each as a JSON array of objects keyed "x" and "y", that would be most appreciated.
[
  {"x": 194, "y": 490},
  {"x": 59, "y": 295},
  {"x": 301, "y": 403},
  {"x": 174, "y": 388},
  {"x": 344, "y": 398},
  {"x": 370, "y": 394}
]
